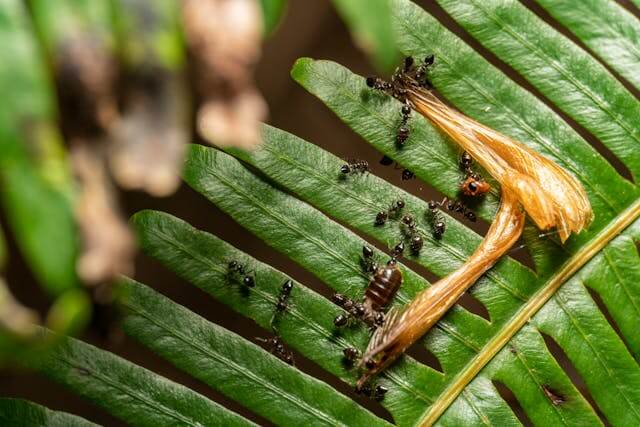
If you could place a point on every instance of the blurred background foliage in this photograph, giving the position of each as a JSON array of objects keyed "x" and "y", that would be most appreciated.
[{"x": 100, "y": 97}]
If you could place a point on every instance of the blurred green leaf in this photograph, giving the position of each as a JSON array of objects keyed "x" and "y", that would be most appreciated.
[
  {"x": 3, "y": 250},
  {"x": 36, "y": 183},
  {"x": 18, "y": 412},
  {"x": 149, "y": 34},
  {"x": 59, "y": 22},
  {"x": 272, "y": 13},
  {"x": 370, "y": 25}
]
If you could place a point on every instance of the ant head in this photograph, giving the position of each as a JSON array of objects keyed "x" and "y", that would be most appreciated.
[
  {"x": 429, "y": 60},
  {"x": 408, "y": 63},
  {"x": 367, "y": 251}
]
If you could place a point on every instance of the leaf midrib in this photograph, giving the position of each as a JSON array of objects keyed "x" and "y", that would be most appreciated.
[
  {"x": 528, "y": 310},
  {"x": 130, "y": 392}
]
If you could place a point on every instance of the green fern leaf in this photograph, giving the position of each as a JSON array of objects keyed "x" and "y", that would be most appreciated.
[{"x": 289, "y": 194}]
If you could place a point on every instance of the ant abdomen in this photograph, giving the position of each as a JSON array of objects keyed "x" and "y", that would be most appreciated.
[{"x": 383, "y": 286}]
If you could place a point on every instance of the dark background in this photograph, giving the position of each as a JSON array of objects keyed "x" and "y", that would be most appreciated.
[{"x": 309, "y": 28}]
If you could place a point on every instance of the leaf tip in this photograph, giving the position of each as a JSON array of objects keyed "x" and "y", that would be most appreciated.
[{"x": 300, "y": 68}]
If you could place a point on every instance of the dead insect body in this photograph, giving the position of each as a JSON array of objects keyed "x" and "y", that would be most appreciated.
[
  {"x": 384, "y": 284},
  {"x": 406, "y": 76},
  {"x": 276, "y": 347},
  {"x": 282, "y": 303},
  {"x": 382, "y": 287},
  {"x": 239, "y": 271},
  {"x": 354, "y": 166}
]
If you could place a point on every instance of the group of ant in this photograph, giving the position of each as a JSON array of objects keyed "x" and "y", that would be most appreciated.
[
  {"x": 472, "y": 185},
  {"x": 385, "y": 282},
  {"x": 408, "y": 76},
  {"x": 239, "y": 273},
  {"x": 387, "y": 279}
]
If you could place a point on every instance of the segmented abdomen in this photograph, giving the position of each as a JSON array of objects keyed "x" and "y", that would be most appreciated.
[{"x": 383, "y": 286}]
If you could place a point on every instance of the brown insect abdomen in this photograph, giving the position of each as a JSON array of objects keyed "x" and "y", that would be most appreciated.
[{"x": 383, "y": 286}]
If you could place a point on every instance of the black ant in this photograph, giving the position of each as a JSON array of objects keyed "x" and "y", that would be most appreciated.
[
  {"x": 368, "y": 263},
  {"x": 393, "y": 212},
  {"x": 281, "y": 304},
  {"x": 406, "y": 76},
  {"x": 354, "y": 166},
  {"x": 438, "y": 224},
  {"x": 410, "y": 230},
  {"x": 236, "y": 269},
  {"x": 459, "y": 207},
  {"x": 473, "y": 183},
  {"x": 407, "y": 175},
  {"x": 378, "y": 392},
  {"x": 351, "y": 354},
  {"x": 386, "y": 161},
  {"x": 403, "y": 130},
  {"x": 353, "y": 310},
  {"x": 437, "y": 220},
  {"x": 276, "y": 347}
]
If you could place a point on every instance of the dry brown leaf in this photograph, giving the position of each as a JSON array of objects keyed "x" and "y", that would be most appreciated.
[
  {"x": 550, "y": 195},
  {"x": 402, "y": 328}
]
